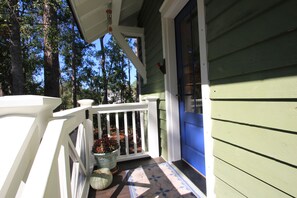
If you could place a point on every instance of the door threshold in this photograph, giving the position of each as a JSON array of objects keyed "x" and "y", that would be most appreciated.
[{"x": 196, "y": 178}]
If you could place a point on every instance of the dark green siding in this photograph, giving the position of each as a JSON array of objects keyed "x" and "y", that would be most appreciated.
[
  {"x": 252, "y": 54},
  {"x": 150, "y": 20}
]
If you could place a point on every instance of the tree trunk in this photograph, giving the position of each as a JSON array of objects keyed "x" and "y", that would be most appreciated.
[
  {"x": 129, "y": 82},
  {"x": 51, "y": 55},
  {"x": 123, "y": 88},
  {"x": 105, "y": 80},
  {"x": 74, "y": 71},
  {"x": 17, "y": 72}
]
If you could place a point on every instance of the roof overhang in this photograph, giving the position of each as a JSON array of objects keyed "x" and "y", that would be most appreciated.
[
  {"x": 92, "y": 15},
  {"x": 95, "y": 18}
]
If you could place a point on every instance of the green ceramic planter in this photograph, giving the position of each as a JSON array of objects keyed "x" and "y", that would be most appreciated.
[{"x": 106, "y": 160}]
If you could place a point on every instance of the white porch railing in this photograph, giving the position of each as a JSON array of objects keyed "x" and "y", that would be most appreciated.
[
  {"x": 131, "y": 136},
  {"x": 62, "y": 165},
  {"x": 59, "y": 165}
]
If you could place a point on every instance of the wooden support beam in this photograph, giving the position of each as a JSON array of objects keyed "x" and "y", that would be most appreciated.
[
  {"x": 130, "y": 54},
  {"x": 116, "y": 11},
  {"x": 129, "y": 31}
]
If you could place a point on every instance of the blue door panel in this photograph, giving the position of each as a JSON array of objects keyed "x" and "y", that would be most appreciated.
[
  {"x": 194, "y": 158},
  {"x": 194, "y": 137},
  {"x": 196, "y": 119},
  {"x": 189, "y": 83}
]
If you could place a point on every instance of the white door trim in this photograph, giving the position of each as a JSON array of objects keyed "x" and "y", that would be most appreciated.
[{"x": 169, "y": 11}]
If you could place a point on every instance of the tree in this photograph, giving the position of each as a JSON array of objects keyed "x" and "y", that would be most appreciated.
[
  {"x": 104, "y": 71},
  {"x": 15, "y": 49},
  {"x": 76, "y": 68},
  {"x": 51, "y": 55},
  {"x": 5, "y": 65},
  {"x": 32, "y": 45},
  {"x": 114, "y": 65}
]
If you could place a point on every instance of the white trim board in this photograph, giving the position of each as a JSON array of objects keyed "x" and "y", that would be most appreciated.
[
  {"x": 135, "y": 32},
  {"x": 169, "y": 11}
]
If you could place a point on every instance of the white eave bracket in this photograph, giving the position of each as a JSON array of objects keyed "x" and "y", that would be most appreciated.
[{"x": 118, "y": 32}]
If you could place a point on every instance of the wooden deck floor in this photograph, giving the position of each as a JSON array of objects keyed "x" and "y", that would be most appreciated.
[{"x": 119, "y": 187}]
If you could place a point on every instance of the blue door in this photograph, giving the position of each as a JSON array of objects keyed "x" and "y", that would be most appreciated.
[{"x": 189, "y": 84}]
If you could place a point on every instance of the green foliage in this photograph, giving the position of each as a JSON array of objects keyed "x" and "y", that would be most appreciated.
[
  {"x": 78, "y": 59},
  {"x": 117, "y": 65},
  {"x": 5, "y": 78}
]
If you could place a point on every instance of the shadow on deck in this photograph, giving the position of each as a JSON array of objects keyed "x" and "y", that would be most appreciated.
[
  {"x": 152, "y": 177},
  {"x": 120, "y": 185}
]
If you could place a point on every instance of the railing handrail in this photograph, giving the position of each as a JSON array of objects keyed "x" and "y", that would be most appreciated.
[
  {"x": 118, "y": 108},
  {"x": 70, "y": 112}
]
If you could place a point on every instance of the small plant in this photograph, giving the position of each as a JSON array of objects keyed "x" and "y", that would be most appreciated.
[{"x": 105, "y": 145}]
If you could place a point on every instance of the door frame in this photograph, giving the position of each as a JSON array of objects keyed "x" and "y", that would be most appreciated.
[{"x": 169, "y": 11}]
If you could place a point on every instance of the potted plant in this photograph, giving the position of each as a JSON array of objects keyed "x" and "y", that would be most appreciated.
[{"x": 105, "y": 151}]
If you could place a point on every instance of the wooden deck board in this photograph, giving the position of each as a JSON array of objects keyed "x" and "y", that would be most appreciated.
[{"x": 119, "y": 187}]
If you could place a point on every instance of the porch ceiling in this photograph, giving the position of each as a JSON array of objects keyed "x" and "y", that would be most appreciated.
[{"x": 92, "y": 17}]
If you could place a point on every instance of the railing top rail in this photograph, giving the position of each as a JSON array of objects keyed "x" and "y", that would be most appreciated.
[
  {"x": 114, "y": 108},
  {"x": 70, "y": 112}
]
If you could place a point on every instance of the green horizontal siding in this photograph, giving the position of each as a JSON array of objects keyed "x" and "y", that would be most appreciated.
[
  {"x": 150, "y": 20},
  {"x": 215, "y": 8},
  {"x": 252, "y": 54},
  {"x": 246, "y": 184},
  {"x": 261, "y": 57},
  {"x": 274, "y": 84},
  {"x": 270, "y": 114},
  {"x": 237, "y": 15},
  {"x": 259, "y": 29},
  {"x": 268, "y": 142},
  {"x": 223, "y": 190},
  {"x": 277, "y": 174}
]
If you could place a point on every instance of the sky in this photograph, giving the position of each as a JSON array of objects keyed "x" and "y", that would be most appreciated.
[{"x": 98, "y": 47}]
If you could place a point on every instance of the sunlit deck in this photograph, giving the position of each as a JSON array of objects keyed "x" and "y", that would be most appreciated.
[
  {"x": 120, "y": 184},
  {"x": 123, "y": 185}
]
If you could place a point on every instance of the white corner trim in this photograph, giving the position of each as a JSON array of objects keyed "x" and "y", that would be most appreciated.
[{"x": 206, "y": 102}]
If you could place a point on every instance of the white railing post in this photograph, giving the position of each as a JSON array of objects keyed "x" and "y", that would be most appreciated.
[
  {"x": 85, "y": 102},
  {"x": 23, "y": 120},
  {"x": 89, "y": 131},
  {"x": 153, "y": 137}
]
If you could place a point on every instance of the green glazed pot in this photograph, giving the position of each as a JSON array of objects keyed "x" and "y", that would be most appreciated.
[{"x": 106, "y": 160}]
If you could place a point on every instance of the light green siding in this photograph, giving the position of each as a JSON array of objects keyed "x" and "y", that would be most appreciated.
[
  {"x": 150, "y": 19},
  {"x": 252, "y": 54}
]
